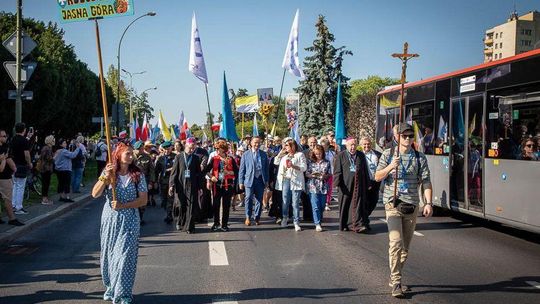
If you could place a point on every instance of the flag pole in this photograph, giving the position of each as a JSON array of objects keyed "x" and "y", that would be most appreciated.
[
  {"x": 242, "y": 125},
  {"x": 278, "y": 104},
  {"x": 105, "y": 112},
  {"x": 209, "y": 111}
]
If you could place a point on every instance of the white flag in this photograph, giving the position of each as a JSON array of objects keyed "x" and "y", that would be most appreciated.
[
  {"x": 196, "y": 59},
  {"x": 290, "y": 61}
]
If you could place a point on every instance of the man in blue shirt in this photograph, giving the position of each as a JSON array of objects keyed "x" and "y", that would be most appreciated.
[{"x": 253, "y": 176}]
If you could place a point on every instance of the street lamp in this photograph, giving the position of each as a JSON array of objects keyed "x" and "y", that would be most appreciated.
[
  {"x": 131, "y": 87},
  {"x": 118, "y": 68}
]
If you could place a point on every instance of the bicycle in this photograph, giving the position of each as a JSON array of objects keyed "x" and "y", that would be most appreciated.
[{"x": 33, "y": 183}]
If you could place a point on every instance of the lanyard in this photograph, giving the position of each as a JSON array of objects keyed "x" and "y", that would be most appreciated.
[
  {"x": 404, "y": 169},
  {"x": 351, "y": 160},
  {"x": 187, "y": 161}
]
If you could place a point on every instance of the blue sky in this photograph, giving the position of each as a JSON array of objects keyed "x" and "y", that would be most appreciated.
[{"x": 247, "y": 39}]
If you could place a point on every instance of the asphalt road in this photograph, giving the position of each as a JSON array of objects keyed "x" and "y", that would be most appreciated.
[{"x": 452, "y": 260}]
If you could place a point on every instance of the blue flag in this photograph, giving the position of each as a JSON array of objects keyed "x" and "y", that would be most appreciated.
[
  {"x": 228, "y": 128},
  {"x": 340, "y": 131}
]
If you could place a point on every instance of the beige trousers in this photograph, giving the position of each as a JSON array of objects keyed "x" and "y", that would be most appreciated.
[{"x": 400, "y": 232}]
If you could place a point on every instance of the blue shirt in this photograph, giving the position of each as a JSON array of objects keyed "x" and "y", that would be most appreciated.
[{"x": 62, "y": 161}]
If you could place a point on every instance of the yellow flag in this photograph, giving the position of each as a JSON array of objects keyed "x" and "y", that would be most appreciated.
[
  {"x": 247, "y": 104},
  {"x": 164, "y": 129}
]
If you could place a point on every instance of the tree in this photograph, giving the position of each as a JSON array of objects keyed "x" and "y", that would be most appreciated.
[
  {"x": 112, "y": 81},
  {"x": 319, "y": 88},
  {"x": 66, "y": 93},
  {"x": 361, "y": 116}
]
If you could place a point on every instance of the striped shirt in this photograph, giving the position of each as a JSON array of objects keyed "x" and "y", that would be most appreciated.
[{"x": 408, "y": 180}]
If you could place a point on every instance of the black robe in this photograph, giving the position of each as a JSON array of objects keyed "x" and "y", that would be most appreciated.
[
  {"x": 205, "y": 197},
  {"x": 186, "y": 191},
  {"x": 353, "y": 205}
]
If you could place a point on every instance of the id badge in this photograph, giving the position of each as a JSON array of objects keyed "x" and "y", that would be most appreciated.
[
  {"x": 352, "y": 168},
  {"x": 187, "y": 174},
  {"x": 403, "y": 189},
  {"x": 221, "y": 176}
]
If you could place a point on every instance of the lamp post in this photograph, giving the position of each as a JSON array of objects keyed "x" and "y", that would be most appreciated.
[
  {"x": 131, "y": 87},
  {"x": 118, "y": 68}
]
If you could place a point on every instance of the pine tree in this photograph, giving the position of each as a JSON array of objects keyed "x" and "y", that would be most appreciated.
[{"x": 319, "y": 88}]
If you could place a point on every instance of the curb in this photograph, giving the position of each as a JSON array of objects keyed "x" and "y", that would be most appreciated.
[{"x": 17, "y": 232}]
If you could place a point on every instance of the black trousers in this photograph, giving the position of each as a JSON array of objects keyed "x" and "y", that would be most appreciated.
[
  {"x": 45, "y": 183},
  {"x": 307, "y": 211},
  {"x": 64, "y": 181},
  {"x": 100, "y": 166},
  {"x": 373, "y": 196},
  {"x": 222, "y": 198}
]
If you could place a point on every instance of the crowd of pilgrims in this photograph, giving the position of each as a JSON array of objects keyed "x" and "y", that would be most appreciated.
[{"x": 196, "y": 182}]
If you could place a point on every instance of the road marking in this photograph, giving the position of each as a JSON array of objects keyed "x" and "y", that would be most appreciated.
[
  {"x": 533, "y": 284},
  {"x": 218, "y": 254},
  {"x": 415, "y": 233},
  {"x": 224, "y": 302}
]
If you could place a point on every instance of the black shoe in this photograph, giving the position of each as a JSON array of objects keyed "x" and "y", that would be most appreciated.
[
  {"x": 225, "y": 229},
  {"x": 143, "y": 223},
  {"x": 68, "y": 200},
  {"x": 61, "y": 199},
  {"x": 368, "y": 227},
  {"x": 15, "y": 222},
  {"x": 215, "y": 228},
  {"x": 153, "y": 202}
]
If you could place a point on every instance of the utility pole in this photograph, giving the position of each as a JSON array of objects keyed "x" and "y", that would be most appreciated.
[{"x": 18, "y": 59}]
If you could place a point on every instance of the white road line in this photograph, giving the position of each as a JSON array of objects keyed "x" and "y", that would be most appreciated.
[
  {"x": 415, "y": 233},
  {"x": 533, "y": 284},
  {"x": 224, "y": 302},
  {"x": 218, "y": 254}
]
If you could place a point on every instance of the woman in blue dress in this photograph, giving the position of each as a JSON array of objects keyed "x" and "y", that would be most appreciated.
[{"x": 120, "y": 223}]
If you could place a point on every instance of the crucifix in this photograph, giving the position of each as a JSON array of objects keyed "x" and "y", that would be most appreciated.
[{"x": 404, "y": 57}]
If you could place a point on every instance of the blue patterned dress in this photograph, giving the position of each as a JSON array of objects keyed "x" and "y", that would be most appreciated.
[{"x": 120, "y": 242}]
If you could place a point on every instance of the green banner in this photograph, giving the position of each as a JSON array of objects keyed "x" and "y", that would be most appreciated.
[{"x": 82, "y": 10}]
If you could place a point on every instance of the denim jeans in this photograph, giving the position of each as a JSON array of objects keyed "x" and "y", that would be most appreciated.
[
  {"x": 76, "y": 178},
  {"x": 288, "y": 196},
  {"x": 318, "y": 201},
  {"x": 253, "y": 199},
  {"x": 18, "y": 192}
]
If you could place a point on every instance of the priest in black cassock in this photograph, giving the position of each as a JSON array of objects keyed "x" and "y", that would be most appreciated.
[
  {"x": 351, "y": 177},
  {"x": 184, "y": 185}
]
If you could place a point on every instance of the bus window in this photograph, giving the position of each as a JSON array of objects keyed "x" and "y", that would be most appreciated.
[
  {"x": 512, "y": 121},
  {"x": 420, "y": 116}
]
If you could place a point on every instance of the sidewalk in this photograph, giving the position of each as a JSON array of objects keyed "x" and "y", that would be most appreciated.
[{"x": 39, "y": 214}]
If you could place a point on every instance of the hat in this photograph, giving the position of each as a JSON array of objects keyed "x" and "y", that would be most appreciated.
[
  {"x": 286, "y": 139},
  {"x": 149, "y": 143},
  {"x": 241, "y": 148},
  {"x": 138, "y": 145},
  {"x": 403, "y": 126},
  {"x": 191, "y": 140},
  {"x": 166, "y": 144}
]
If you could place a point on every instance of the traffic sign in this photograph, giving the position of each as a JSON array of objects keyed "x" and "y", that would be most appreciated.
[
  {"x": 28, "y": 44},
  {"x": 27, "y": 69},
  {"x": 25, "y": 95}
]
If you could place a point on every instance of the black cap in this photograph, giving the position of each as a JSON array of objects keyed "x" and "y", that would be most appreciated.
[{"x": 402, "y": 127}]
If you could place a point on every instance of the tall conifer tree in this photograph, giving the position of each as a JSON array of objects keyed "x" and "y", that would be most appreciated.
[{"x": 319, "y": 88}]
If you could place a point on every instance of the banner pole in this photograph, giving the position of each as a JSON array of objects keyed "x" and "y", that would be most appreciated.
[
  {"x": 278, "y": 104},
  {"x": 209, "y": 112},
  {"x": 242, "y": 125},
  {"x": 105, "y": 111}
]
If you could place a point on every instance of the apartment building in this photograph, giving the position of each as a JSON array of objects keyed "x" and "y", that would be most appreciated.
[{"x": 518, "y": 35}]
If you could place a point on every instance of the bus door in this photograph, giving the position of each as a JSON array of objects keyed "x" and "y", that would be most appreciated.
[{"x": 467, "y": 153}]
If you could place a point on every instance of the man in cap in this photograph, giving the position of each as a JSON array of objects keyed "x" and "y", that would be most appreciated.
[
  {"x": 351, "y": 177},
  {"x": 410, "y": 168},
  {"x": 164, "y": 164},
  {"x": 144, "y": 162}
]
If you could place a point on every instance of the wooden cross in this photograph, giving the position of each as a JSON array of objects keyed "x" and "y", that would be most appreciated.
[{"x": 404, "y": 57}]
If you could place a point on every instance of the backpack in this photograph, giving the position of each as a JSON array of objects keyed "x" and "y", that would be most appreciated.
[{"x": 98, "y": 150}]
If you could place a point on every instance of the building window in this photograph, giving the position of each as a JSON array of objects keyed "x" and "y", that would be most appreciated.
[
  {"x": 500, "y": 45},
  {"x": 496, "y": 35},
  {"x": 496, "y": 46},
  {"x": 526, "y": 32},
  {"x": 495, "y": 56},
  {"x": 526, "y": 42},
  {"x": 501, "y": 35}
]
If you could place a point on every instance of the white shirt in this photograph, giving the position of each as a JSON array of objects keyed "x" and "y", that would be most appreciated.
[
  {"x": 372, "y": 162},
  {"x": 296, "y": 176}
]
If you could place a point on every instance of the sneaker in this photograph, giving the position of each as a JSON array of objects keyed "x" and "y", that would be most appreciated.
[
  {"x": 215, "y": 228},
  {"x": 397, "y": 292},
  {"x": 318, "y": 228},
  {"x": 20, "y": 211},
  {"x": 403, "y": 287},
  {"x": 225, "y": 229},
  {"x": 16, "y": 222},
  {"x": 47, "y": 203},
  {"x": 107, "y": 297},
  {"x": 297, "y": 227},
  {"x": 327, "y": 208},
  {"x": 278, "y": 221}
]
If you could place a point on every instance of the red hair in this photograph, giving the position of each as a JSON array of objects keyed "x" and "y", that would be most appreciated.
[{"x": 133, "y": 171}]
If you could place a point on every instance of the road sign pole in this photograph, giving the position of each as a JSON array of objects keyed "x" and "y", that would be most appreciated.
[{"x": 18, "y": 58}]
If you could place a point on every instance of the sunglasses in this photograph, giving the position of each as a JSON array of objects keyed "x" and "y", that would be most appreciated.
[
  {"x": 406, "y": 136},
  {"x": 529, "y": 145}
]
